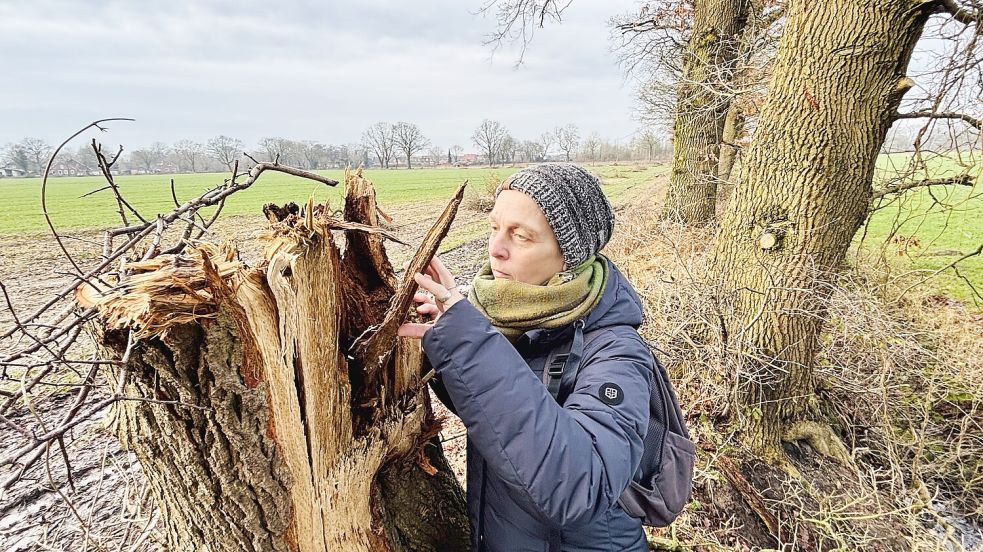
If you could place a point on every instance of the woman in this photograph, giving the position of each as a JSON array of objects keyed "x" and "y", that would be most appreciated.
[{"x": 542, "y": 476}]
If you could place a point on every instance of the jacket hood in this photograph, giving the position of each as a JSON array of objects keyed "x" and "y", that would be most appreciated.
[{"x": 619, "y": 305}]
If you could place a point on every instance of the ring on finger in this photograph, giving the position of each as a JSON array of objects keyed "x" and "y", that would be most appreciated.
[{"x": 445, "y": 298}]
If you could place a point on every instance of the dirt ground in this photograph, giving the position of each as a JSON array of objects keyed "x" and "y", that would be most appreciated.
[{"x": 106, "y": 505}]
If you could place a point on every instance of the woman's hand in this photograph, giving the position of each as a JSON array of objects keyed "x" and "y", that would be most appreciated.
[{"x": 440, "y": 282}]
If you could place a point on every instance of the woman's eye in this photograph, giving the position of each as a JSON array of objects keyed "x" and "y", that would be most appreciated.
[{"x": 520, "y": 237}]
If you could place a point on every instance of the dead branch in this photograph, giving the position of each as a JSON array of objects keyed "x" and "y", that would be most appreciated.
[
  {"x": 518, "y": 20},
  {"x": 47, "y": 171},
  {"x": 48, "y": 344},
  {"x": 929, "y": 114},
  {"x": 961, "y": 180},
  {"x": 139, "y": 231},
  {"x": 963, "y": 14}
]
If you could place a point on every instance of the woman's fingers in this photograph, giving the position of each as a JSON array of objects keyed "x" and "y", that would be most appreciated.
[
  {"x": 428, "y": 283},
  {"x": 411, "y": 329},
  {"x": 443, "y": 275},
  {"x": 436, "y": 280}
]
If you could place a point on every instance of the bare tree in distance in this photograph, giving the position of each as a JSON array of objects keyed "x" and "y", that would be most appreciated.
[
  {"x": 356, "y": 154},
  {"x": 507, "y": 148},
  {"x": 225, "y": 150},
  {"x": 160, "y": 151},
  {"x": 592, "y": 145},
  {"x": 649, "y": 141},
  {"x": 437, "y": 154},
  {"x": 314, "y": 153},
  {"x": 457, "y": 150},
  {"x": 17, "y": 155},
  {"x": 188, "y": 153},
  {"x": 144, "y": 158},
  {"x": 37, "y": 150},
  {"x": 278, "y": 150},
  {"x": 380, "y": 140},
  {"x": 530, "y": 150},
  {"x": 488, "y": 137},
  {"x": 150, "y": 158},
  {"x": 546, "y": 141},
  {"x": 410, "y": 140},
  {"x": 567, "y": 139}
]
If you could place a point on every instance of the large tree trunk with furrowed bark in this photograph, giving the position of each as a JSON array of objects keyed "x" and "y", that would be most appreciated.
[
  {"x": 282, "y": 411},
  {"x": 805, "y": 187},
  {"x": 701, "y": 107}
]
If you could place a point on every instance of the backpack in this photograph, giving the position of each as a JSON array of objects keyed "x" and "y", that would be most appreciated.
[{"x": 663, "y": 484}]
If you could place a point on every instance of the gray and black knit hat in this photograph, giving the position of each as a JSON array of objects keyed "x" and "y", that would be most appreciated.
[{"x": 574, "y": 205}]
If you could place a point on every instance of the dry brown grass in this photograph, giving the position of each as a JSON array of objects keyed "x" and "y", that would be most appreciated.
[{"x": 900, "y": 380}]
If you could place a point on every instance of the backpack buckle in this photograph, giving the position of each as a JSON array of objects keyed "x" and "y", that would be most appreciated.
[{"x": 555, "y": 368}]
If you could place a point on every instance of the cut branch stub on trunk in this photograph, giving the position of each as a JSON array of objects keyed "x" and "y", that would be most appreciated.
[{"x": 270, "y": 437}]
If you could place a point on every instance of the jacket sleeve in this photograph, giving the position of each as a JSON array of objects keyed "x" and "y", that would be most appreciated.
[
  {"x": 568, "y": 464},
  {"x": 440, "y": 391}
]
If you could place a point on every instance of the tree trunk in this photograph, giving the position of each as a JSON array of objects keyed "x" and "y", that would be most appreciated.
[
  {"x": 280, "y": 411},
  {"x": 701, "y": 107},
  {"x": 733, "y": 124},
  {"x": 804, "y": 192}
]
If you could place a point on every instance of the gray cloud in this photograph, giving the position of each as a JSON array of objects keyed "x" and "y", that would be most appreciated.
[{"x": 302, "y": 69}]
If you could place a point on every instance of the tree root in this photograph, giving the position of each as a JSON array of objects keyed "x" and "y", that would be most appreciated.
[{"x": 821, "y": 437}]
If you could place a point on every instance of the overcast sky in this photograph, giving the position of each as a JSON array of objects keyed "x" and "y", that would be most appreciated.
[{"x": 300, "y": 69}]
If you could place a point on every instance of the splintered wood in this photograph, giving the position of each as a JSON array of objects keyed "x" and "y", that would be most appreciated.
[
  {"x": 162, "y": 292},
  {"x": 314, "y": 329}
]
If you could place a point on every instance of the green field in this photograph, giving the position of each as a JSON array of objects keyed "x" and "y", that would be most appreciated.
[
  {"x": 933, "y": 228},
  {"x": 151, "y": 194},
  {"x": 944, "y": 222}
]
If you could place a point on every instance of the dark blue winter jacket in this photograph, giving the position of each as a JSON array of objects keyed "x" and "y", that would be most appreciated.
[{"x": 540, "y": 476}]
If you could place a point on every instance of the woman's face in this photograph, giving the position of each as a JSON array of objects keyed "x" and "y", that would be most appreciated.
[{"x": 521, "y": 245}]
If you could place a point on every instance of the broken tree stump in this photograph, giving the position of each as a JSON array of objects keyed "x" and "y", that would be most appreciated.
[{"x": 273, "y": 407}]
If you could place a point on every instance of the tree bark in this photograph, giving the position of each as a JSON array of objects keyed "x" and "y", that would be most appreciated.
[
  {"x": 805, "y": 190},
  {"x": 265, "y": 423},
  {"x": 733, "y": 124},
  {"x": 701, "y": 107}
]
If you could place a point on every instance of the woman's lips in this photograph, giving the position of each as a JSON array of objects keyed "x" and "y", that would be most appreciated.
[{"x": 499, "y": 274}]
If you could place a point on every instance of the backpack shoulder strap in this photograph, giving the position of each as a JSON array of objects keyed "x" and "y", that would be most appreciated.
[{"x": 563, "y": 362}]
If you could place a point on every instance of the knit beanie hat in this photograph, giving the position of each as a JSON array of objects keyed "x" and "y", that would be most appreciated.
[{"x": 574, "y": 205}]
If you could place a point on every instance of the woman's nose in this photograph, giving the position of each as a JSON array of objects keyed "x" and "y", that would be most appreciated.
[{"x": 496, "y": 247}]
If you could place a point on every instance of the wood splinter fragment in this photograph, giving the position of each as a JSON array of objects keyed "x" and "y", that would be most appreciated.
[{"x": 375, "y": 351}]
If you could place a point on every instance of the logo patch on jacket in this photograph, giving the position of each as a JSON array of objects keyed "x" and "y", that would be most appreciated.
[{"x": 610, "y": 393}]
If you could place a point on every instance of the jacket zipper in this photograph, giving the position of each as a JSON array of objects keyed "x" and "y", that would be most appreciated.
[{"x": 481, "y": 506}]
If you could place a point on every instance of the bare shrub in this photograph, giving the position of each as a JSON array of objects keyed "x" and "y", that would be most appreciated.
[{"x": 481, "y": 199}]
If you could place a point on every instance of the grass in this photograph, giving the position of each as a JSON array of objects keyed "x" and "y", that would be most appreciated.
[
  {"x": 151, "y": 194},
  {"x": 930, "y": 228},
  {"x": 921, "y": 232}
]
